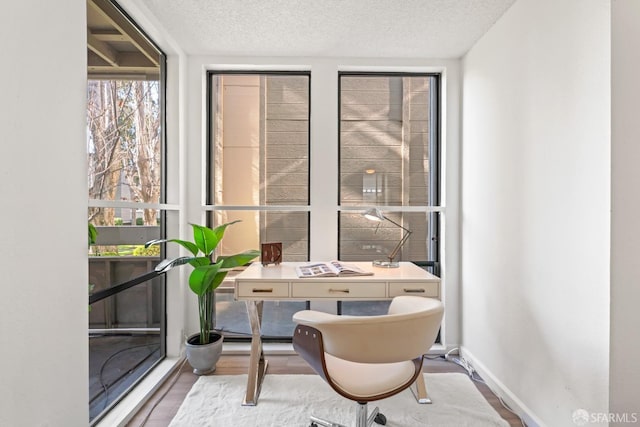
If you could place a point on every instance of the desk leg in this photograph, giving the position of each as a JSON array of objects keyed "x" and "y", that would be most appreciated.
[
  {"x": 420, "y": 390},
  {"x": 257, "y": 363}
]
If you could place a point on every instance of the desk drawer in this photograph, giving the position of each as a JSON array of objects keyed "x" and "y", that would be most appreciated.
[
  {"x": 338, "y": 290},
  {"x": 263, "y": 289},
  {"x": 423, "y": 289}
]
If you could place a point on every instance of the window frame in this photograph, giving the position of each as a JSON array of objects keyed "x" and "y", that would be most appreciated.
[
  {"x": 324, "y": 109},
  {"x": 210, "y": 207},
  {"x": 433, "y": 207},
  {"x": 162, "y": 207},
  {"x": 209, "y": 184},
  {"x": 314, "y": 207}
]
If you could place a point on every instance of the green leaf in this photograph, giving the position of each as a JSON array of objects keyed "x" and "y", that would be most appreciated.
[
  {"x": 190, "y": 246},
  {"x": 218, "y": 279},
  {"x": 207, "y": 239},
  {"x": 201, "y": 261},
  {"x": 204, "y": 238},
  {"x": 237, "y": 260},
  {"x": 93, "y": 234},
  {"x": 202, "y": 277},
  {"x": 197, "y": 282}
]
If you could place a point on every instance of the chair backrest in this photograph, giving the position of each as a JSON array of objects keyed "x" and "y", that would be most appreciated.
[{"x": 406, "y": 332}]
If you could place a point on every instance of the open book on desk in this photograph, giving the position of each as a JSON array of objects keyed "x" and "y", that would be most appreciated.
[{"x": 330, "y": 269}]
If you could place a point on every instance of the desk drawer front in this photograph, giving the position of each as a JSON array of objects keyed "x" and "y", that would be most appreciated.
[
  {"x": 264, "y": 290},
  {"x": 338, "y": 290},
  {"x": 423, "y": 289}
]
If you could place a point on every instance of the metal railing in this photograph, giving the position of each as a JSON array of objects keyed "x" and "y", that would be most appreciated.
[{"x": 160, "y": 269}]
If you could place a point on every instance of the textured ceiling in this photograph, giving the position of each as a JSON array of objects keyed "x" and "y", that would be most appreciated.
[{"x": 355, "y": 28}]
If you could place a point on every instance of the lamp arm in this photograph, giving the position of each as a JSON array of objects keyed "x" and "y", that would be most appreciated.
[
  {"x": 393, "y": 253},
  {"x": 395, "y": 250}
]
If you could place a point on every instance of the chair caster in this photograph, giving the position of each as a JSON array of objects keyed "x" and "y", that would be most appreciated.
[{"x": 380, "y": 419}]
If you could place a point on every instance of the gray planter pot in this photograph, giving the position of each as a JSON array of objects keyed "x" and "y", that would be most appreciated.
[{"x": 203, "y": 358}]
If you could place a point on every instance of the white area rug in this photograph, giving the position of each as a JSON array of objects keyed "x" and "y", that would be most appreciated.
[{"x": 288, "y": 400}]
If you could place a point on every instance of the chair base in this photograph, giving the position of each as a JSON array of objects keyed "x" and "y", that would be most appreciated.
[{"x": 362, "y": 419}]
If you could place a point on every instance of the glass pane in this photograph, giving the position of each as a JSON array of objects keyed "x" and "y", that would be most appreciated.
[
  {"x": 136, "y": 307},
  {"x": 260, "y": 138},
  {"x": 232, "y": 318},
  {"x": 124, "y": 140},
  {"x": 124, "y": 118},
  {"x": 384, "y": 140},
  {"x": 116, "y": 361},
  {"x": 364, "y": 240},
  {"x": 126, "y": 335},
  {"x": 124, "y": 231},
  {"x": 364, "y": 308},
  {"x": 289, "y": 228}
]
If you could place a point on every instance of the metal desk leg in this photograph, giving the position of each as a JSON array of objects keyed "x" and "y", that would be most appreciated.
[
  {"x": 257, "y": 363},
  {"x": 420, "y": 390}
]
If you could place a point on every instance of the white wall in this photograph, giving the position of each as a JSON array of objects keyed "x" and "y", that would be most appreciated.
[
  {"x": 535, "y": 207},
  {"x": 43, "y": 189},
  {"x": 625, "y": 212}
]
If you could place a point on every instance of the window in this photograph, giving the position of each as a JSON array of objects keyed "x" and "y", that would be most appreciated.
[
  {"x": 259, "y": 171},
  {"x": 389, "y": 158},
  {"x": 125, "y": 146},
  {"x": 259, "y": 174}
]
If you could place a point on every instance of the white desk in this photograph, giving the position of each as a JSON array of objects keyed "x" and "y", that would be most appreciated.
[{"x": 280, "y": 282}]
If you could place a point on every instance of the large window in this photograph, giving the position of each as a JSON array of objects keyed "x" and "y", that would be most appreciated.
[
  {"x": 125, "y": 146},
  {"x": 259, "y": 171},
  {"x": 389, "y": 159},
  {"x": 259, "y": 153},
  {"x": 259, "y": 174}
]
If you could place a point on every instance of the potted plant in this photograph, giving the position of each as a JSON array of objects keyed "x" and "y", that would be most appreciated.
[
  {"x": 204, "y": 348},
  {"x": 93, "y": 235}
]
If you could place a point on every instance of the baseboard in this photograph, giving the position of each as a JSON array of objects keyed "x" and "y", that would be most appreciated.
[{"x": 516, "y": 405}]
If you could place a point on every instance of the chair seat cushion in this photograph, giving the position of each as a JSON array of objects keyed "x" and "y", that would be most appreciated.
[{"x": 366, "y": 380}]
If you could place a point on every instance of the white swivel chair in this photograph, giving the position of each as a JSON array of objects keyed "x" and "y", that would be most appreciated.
[{"x": 367, "y": 358}]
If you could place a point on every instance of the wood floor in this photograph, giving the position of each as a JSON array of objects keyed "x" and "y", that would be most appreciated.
[{"x": 162, "y": 407}]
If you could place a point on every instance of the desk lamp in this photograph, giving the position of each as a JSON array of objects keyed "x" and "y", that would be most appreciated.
[{"x": 374, "y": 214}]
